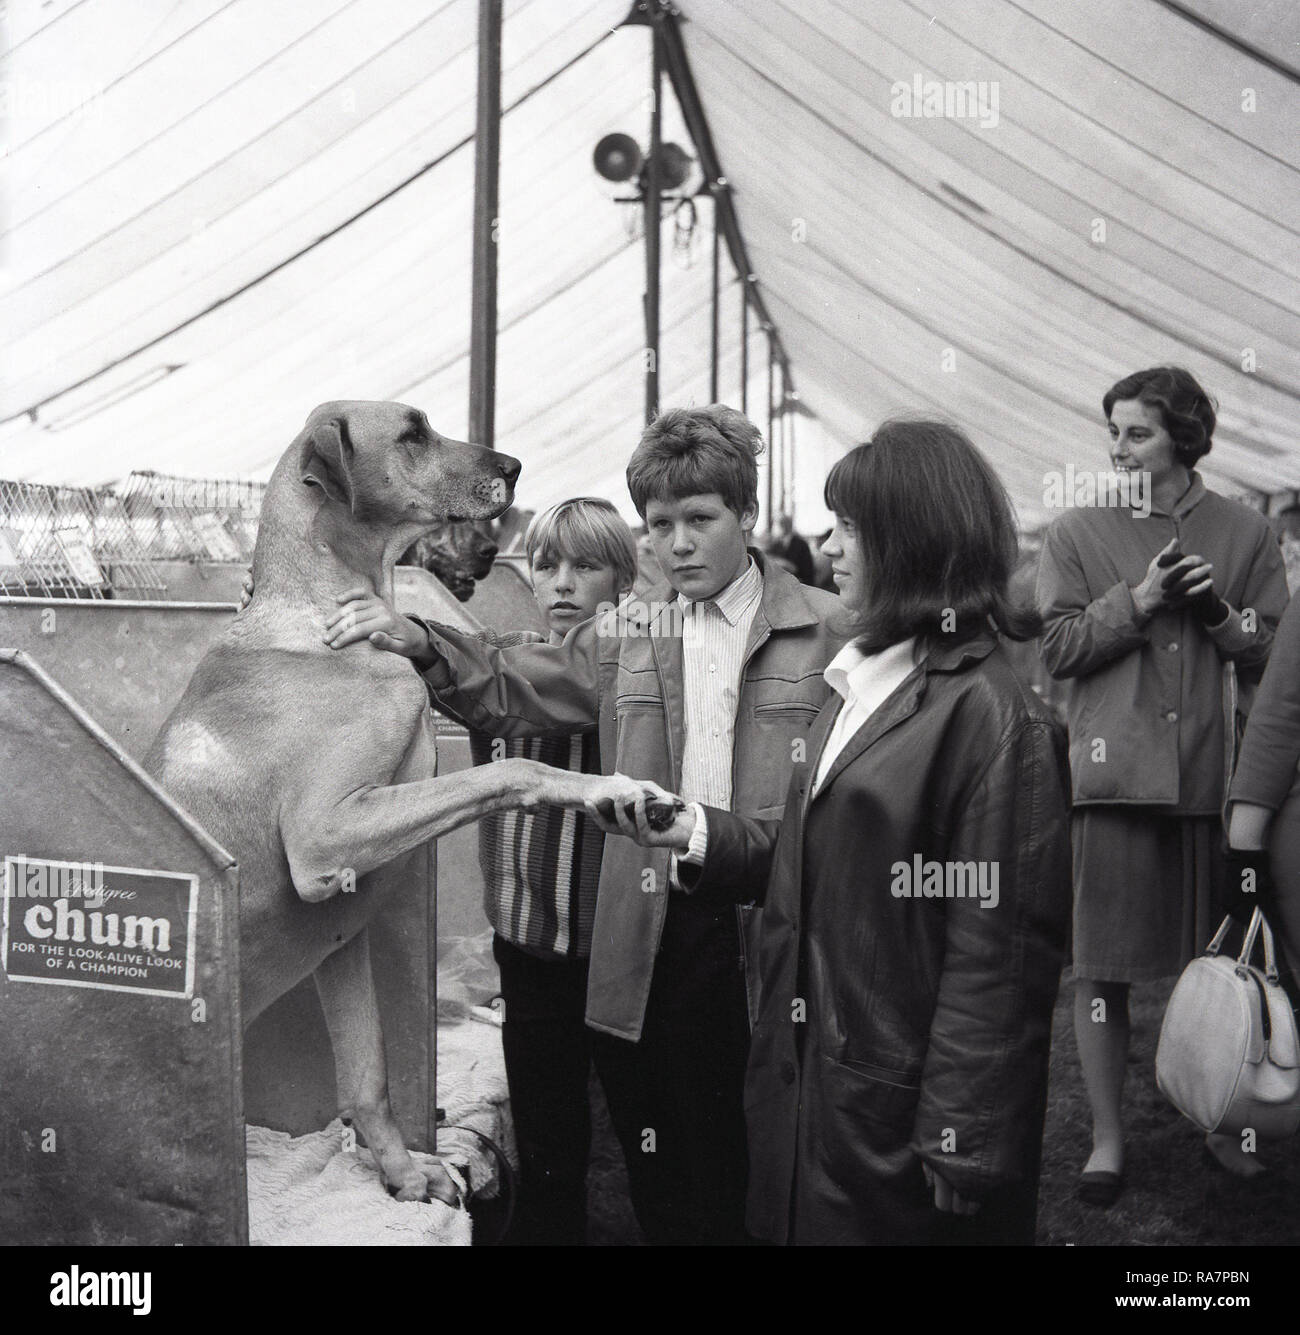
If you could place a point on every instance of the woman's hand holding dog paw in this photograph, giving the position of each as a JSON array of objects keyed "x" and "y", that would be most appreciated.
[{"x": 642, "y": 810}]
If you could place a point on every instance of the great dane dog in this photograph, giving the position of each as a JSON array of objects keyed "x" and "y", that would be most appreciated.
[{"x": 311, "y": 765}]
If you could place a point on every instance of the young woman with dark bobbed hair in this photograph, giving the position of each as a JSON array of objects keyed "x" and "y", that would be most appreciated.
[
  {"x": 918, "y": 881},
  {"x": 1142, "y": 612}
]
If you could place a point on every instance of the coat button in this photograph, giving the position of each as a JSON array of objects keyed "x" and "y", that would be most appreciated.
[
  {"x": 1172, "y": 646},
  {"x": 1172, "y": 716},
  {"x": 788, "y": 1072}
]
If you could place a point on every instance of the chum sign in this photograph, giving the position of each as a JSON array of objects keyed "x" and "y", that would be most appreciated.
[{"x": 82, "y": 924}]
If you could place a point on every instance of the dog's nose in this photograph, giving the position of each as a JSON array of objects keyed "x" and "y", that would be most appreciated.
[{"x": 509, "y": 468}]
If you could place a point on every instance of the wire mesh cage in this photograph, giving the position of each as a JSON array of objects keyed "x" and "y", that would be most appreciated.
[
  {"x": 185, "y": 519},
  {"x": 93, "y": 542},
  {"x": 68, "y": 542}
]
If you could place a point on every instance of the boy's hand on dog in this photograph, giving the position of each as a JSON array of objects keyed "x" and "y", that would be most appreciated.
[
  {"x": 372, "y": 619},
  {"x": 366, "y": 616}
]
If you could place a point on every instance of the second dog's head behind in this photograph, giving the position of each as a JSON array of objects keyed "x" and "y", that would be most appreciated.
[{"x": 459, "y": 553}]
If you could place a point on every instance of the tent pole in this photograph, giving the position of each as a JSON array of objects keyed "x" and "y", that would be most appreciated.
[
  {"x": 788, "y": 435},
  {"x": 713, "y": 328},
  {"x": 786, "y": 467},
  {"x": 678, "y": 68},
  {"x": 771, "y": 422},
  {"x": 487, "y": 163},
  {"x": 744, "y": 345},
  {"x": 652, "y": 221}
]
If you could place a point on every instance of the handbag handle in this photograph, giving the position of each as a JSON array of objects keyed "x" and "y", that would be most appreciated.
[
  {"x": 1217, "y": 940},
  {"x": 1258, "y": 927}
]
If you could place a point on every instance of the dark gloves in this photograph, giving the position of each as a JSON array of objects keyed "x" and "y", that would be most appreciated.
[
  {"x": 1249, "y": 883},
  {"x": 1207, "y": 606}
]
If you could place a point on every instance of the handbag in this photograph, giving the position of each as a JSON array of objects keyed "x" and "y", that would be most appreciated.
[{"x": 1228, "y": 1056}]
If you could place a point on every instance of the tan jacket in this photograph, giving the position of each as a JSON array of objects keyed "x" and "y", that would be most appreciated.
[{"x": 629, "y": 685}]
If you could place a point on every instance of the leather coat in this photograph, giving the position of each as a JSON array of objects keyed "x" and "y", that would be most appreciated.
[{"x": 899, "y": 1030}]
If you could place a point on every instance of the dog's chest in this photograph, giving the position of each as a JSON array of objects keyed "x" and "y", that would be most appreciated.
[
  {"x": 421, "y": 758},
  {"x": 389, "y": 702}
]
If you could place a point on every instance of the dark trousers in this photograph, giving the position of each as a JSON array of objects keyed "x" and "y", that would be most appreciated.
[
  {"x": 548, "y": 1060},
  {"x": 676, "y": 1098}
]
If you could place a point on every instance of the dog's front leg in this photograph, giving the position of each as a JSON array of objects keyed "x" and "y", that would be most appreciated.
[
  {"x": 347, "y": 994},
  {"x": 332, "y": 840}
]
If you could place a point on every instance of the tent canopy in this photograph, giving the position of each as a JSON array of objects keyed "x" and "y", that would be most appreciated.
[{"x": 220, "y": 213}]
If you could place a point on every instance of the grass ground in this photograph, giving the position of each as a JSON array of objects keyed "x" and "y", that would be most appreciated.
[{"x": 1173, "y": 1196}]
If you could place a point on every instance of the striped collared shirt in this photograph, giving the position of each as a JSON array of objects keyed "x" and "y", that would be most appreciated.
[{"x": 715, "y": 634}]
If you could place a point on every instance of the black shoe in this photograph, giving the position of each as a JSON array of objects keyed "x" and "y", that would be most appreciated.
[{"x": 1102, "y": 1189}]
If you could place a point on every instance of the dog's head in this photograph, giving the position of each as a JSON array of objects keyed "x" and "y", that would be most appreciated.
[{"x": 387, "y": 465}]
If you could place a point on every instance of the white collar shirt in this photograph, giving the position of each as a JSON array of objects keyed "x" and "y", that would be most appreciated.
[{"x": 863, "y": 682}]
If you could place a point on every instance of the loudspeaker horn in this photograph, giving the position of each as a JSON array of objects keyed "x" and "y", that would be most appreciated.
[{"x": 617, "y": 157}]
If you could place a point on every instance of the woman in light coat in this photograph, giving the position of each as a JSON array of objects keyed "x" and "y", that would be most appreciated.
[{"x": 1142, "y": 608}]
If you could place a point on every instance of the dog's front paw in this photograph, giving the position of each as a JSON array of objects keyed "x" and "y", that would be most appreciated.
[
  {"x": 448, "y": 1189},
  {"x": 411, "y": 1185},
  {"x": 426, "y": 1184}
]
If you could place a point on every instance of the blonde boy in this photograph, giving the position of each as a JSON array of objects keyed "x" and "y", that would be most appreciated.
[{"x": 540, "y": 874}]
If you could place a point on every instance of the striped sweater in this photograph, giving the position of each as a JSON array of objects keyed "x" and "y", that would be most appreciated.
[{"x": 540, "y": 869}]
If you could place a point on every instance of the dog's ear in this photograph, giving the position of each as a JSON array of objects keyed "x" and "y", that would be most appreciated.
[{"x": 325, "y": 460}]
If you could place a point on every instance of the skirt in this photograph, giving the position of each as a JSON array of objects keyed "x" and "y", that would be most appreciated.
[{"x": 1148, "y": 891}]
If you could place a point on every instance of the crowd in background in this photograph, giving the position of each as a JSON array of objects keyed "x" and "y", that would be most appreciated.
[{"x": 891, "y": 1049}]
